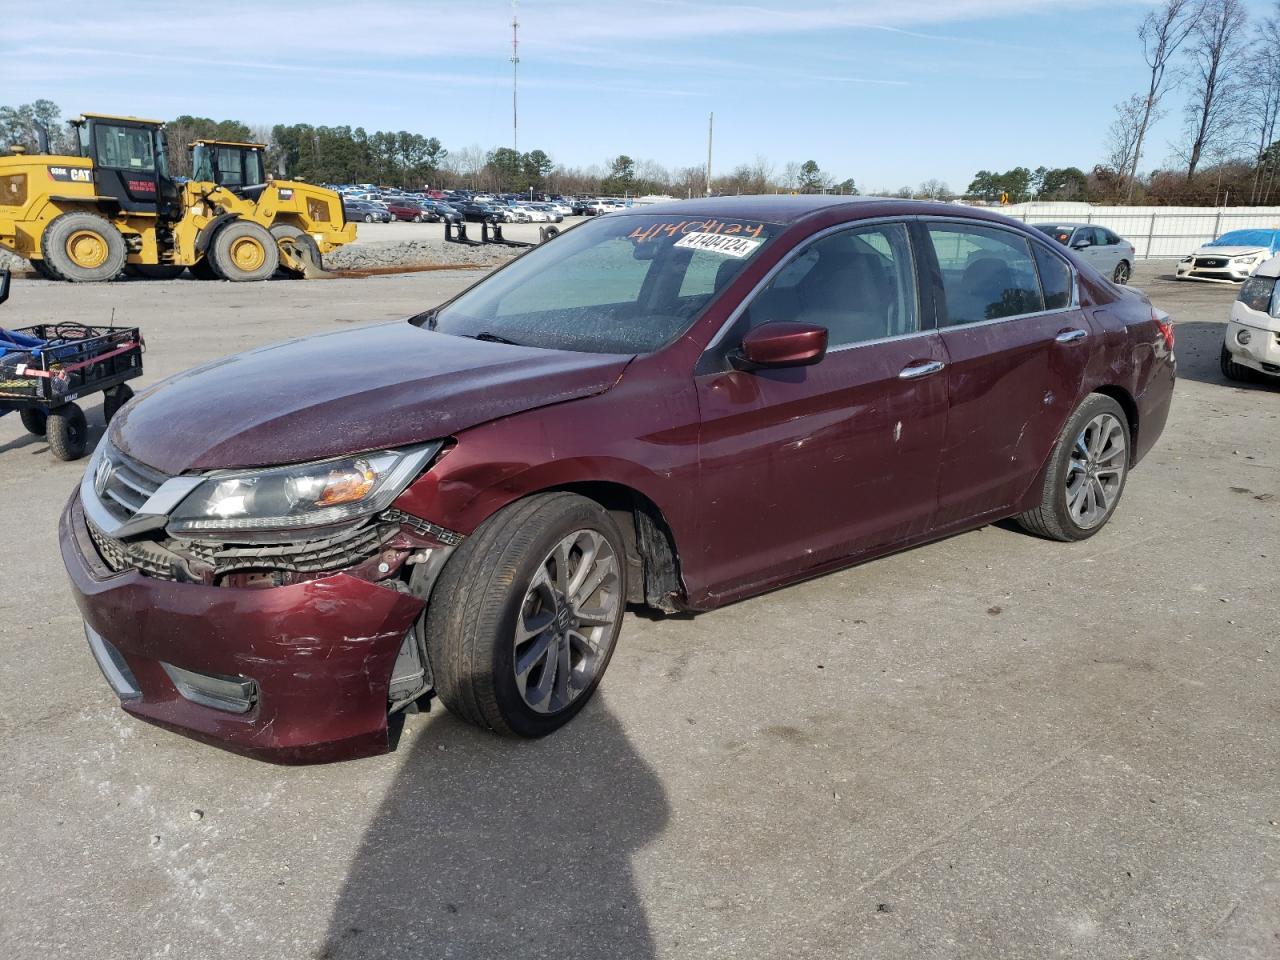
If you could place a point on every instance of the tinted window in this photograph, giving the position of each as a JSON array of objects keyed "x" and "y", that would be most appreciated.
[
  {"x": 124, "y": 148},
  {"x": 987, "y": 273},
  {"x": 627, "y": 284},
  {"x": 1055, "y": 278},
  {"x": 859, "y": 284}
]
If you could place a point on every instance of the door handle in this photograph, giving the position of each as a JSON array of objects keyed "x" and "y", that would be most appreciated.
[
  {"x": 1071, "y": 336},
  {"x": 921, "y": 370}
]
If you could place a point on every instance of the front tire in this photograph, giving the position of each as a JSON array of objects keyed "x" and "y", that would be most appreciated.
[
  {"x": 526, "y": 615},
  {"x": 300, "y": 239},
  {"x": 243, "y": 251},
  {"x": 1086, "y": 473},
  {"x": 1232, "y": 370},
  {"x": 114, "y": 399}
]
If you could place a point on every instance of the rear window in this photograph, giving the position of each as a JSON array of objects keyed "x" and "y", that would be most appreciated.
[{"x": 1061, "y": 234}]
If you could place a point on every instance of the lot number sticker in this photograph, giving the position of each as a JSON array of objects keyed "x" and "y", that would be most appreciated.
[{"x": 719, "y": 243}]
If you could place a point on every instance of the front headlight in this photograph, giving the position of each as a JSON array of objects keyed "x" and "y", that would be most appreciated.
[
  {"x": 1245, "y": 260},
  {"x": 302, "y": 495},
  {"x": 1188, "y": 259}
]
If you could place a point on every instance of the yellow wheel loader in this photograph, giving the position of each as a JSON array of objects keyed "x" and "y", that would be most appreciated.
[{"x": 114, "y": 208}]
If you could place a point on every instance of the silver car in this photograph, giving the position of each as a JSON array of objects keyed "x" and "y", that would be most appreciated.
[{"x": 1099, "y": 247}]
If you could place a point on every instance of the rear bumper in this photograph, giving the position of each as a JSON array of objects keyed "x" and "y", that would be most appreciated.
[{"x": 320, "y": 654}]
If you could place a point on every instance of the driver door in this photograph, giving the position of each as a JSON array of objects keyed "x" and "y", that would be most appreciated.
[{"x": 804, "y": 466}]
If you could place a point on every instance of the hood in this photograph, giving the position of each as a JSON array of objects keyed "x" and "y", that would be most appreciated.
[
  {"x": 1229, "y": 252},
  {"x": 346, "y": 392}
]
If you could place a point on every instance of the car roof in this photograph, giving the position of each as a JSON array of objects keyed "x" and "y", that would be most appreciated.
[
  {"x": 784, "y": 209},
  {"x": 1060, "y": 224}
]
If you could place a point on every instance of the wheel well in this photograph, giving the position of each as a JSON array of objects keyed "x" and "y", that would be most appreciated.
[
  {"x": 653, "y": 563},
  {"x": 1130, "y": 408}
]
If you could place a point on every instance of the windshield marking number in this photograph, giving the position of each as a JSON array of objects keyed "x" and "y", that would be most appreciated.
[{"x": 719, "y": 243}]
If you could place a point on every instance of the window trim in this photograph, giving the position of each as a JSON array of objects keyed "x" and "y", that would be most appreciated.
[
  {"x": 708, "y": 361},
  {"x": 1074, "y": 304}
]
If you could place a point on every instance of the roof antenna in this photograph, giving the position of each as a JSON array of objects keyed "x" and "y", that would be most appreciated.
[{"x": 515, "y": 66}]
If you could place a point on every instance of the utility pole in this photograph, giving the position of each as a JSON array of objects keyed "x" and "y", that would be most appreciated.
[
  {"x": 515, "y": 67},
  {"x": 711, "y": 125}
]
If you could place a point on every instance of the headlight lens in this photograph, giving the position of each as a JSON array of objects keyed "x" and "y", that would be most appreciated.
[
  {"x": 1188, "y": 259},
  {"x": 1246, "y": 260},
  {"x": 302, "y": 495},
  {"x": 1257, "y": 293}
]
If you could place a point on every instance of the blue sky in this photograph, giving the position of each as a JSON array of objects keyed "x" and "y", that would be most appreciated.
[{"x": 890, "y": 92}]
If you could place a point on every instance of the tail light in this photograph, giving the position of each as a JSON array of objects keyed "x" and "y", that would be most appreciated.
[{"x": 1164, "y": 323}]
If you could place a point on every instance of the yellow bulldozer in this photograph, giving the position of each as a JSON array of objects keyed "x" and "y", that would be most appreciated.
[{"x": 114, "y": 209}]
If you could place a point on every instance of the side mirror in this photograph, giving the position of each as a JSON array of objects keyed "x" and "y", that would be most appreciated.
[
  {"x": 1081, "y": 244},
  {"x": 4, "y": 285},
  {"x": 781, "y": 343}
]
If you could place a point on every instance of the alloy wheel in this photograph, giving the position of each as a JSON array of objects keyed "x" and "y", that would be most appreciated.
[
  {"x": 1096, "y": 470},
  {"x": 1122, "y": 273},
  {"x": 567, "y": 621}
]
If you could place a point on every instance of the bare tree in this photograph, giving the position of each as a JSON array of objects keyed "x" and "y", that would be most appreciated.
[
  {"x": 1124, "y": 137},
  {"x": 935, "y": 190},
  {"x": 1264, "y": 93},
  {"x": 1216, "y": 53},
  {"x": 791, "y": 175},
  {"x": 1162, "y": 32}
]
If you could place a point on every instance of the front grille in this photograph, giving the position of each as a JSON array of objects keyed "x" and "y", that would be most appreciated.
[
  {"x": 144, "y": 555},
  {"x": 341, "y": 550},
  {"x": 1211, "y": 262},
  {"x": 123, "y": 485}
]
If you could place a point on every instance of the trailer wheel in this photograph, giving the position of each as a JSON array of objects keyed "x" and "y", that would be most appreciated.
[
  {"x": 113, "y": 400},
  {"x": 83, "y": 248},
  {"x": 34, "y": 421},
  {"x": 242, "y": 251},
  {"x": 68, "y": 433}
]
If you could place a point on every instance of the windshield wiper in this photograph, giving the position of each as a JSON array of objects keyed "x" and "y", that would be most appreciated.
[{"x": 488, "y": 337}]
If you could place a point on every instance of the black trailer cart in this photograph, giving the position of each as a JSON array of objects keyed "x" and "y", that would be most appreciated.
[{"x": 46, "y": 368}]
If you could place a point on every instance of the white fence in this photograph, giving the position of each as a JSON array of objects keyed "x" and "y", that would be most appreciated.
[{"x": 1155, "y": 232}]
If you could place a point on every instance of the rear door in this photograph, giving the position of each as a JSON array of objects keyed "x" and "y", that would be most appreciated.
[
  {"x": 805, "y": 465},
  {"x": 1017, "y": 347}
]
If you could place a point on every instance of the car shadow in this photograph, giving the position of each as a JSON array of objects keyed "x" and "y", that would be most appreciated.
[
  {"x": 1198, "y": 347},
  {"x": 490, "y": 847}
]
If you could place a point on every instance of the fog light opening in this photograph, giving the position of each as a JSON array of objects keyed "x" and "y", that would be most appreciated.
[
  {"x": 1243, "y": 337},
  {"x": 232, "y": 694}
]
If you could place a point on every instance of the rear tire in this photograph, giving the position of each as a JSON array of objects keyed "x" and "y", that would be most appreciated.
[
  {"x": 1232, "y": 370},
  {"x": 501, "y": 603},
  {"x": 68, "y": 432},
  {"x": 35, "y": 421},
  {"x": 243, "y": 251},
  {"x": 1086, "y": 473},
  {"x": 113, "y": 400},
  {"x": 83, "y": 248},
  {"x": 1122, "y": 273}
]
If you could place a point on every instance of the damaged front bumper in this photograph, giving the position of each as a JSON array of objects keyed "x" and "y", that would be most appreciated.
[{"x": 297, "y": 673}]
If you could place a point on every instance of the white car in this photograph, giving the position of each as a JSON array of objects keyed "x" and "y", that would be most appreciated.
[
  {"x": 1232, "y": 258},
  {"x": 529, "y": 214},
  {"x": 1252, "y": 342}
]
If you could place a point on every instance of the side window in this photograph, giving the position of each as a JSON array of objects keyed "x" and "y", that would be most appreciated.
[
  {"x": 987, "y": 273},
  {"x": 859, "y": 284},
  {"x": 124, "y": 148},
  {"x": 1109, "y": 238},
  {"x": 1055, "y": 278}
]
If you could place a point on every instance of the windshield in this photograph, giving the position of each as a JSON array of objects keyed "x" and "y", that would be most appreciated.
[
  {"x": 616, "y": 285},
  {"x": 1245, "y": 238}
]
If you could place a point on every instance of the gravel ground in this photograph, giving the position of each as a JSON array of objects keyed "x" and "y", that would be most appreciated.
[{"x": 989, "y": 747}]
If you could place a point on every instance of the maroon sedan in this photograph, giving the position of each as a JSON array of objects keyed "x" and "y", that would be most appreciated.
[
  {"x": 678, "y": 406},
  {"x": 407, "y": 210}
]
